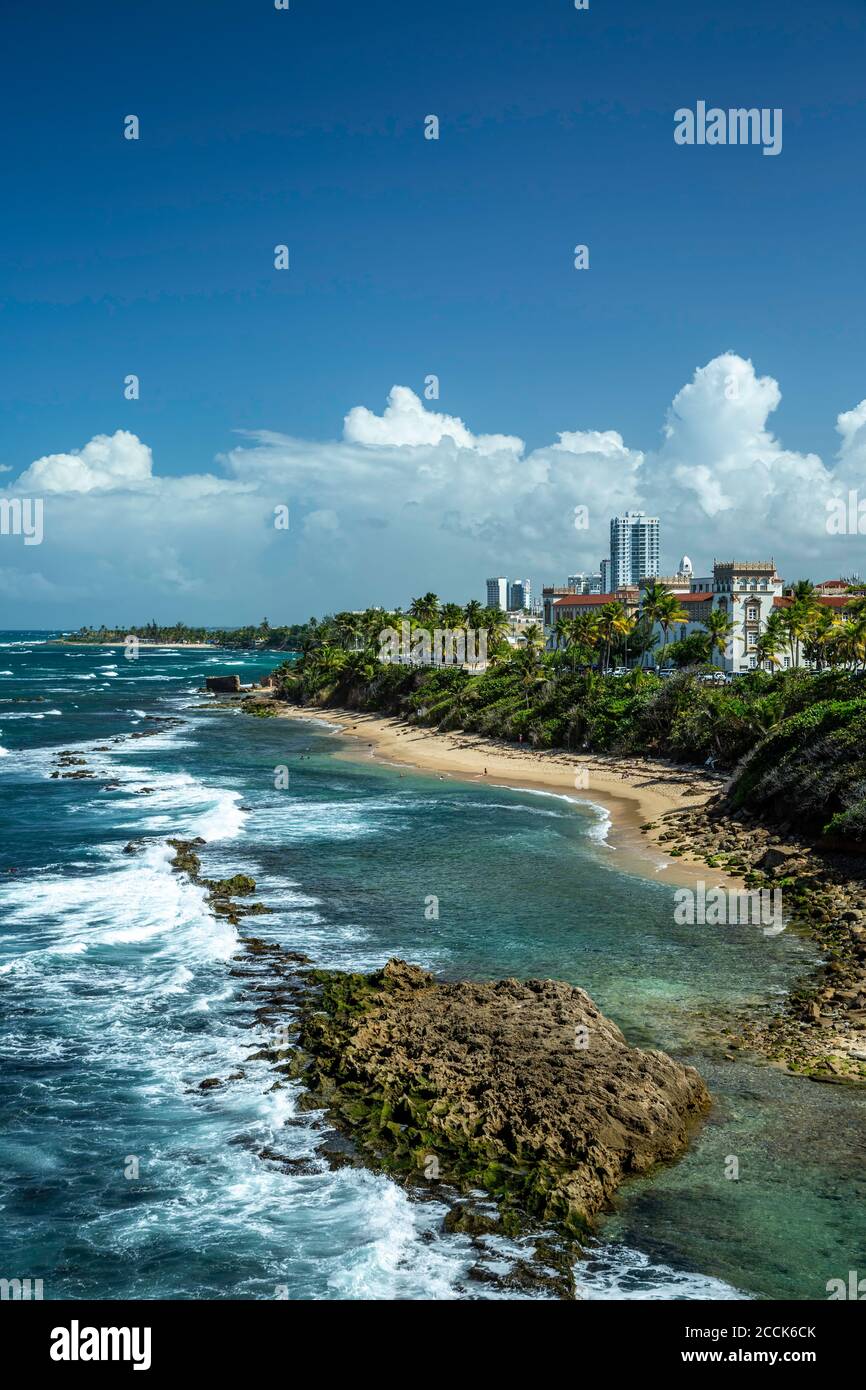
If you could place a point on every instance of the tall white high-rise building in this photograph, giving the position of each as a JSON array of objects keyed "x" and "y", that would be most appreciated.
[
  {"x": 497, "y": 593},
  {"x": 634, "y": 548}
]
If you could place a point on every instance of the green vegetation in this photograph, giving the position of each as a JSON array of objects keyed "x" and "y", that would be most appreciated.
[
  {"x": 257, "y": 709},
  {"x": 247, "y": 638},
  {"x": 794, "y": 738},
  {"x": 812, "y": 767}
]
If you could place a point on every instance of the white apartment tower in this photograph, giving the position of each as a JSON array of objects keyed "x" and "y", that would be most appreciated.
[{"x": 634, "y": 549}]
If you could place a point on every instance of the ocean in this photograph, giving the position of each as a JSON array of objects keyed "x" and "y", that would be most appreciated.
[{"x": 120, "y": 1178}]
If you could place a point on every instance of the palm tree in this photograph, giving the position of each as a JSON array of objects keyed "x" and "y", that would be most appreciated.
[
  {"x": 855, "y": 639},
  {"x": 500, "y": 653},
  {"x": 718, "y": 627},
  {"x": 834, "y": 647},
  {"x": 586, "y": 633},
  {"x": 451, "y": 616},
  {"x": 425, "y": 610},
  {"x": 797, "y": 621},
  {"x": 349, "y": 628},
  {"x": 819, "y": 644},
  {"x": 532, "y": 638},
  {"x": 528, "y": 664},
  {"x": 655, "y": 604},
  {"x": 801, "y": 617},
  {"x": 361, "y": 666},
  {"x": 612, "y": 623},
  {"x": 669, "y": 613},
  {"x": 771, "y": 640},
  {"x": 330, "y": 660},
  {"x": 473, "y": 612},
  {"x": 495, "y": 622},
  {"x": 562, "y": 632},
  {"x": 572, "y": 634}
]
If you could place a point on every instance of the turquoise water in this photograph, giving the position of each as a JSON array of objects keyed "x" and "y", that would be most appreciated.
[{"x": 117, "y": 1000}]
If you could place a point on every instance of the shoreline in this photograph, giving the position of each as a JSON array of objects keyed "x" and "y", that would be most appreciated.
[
  {"x": 153, "y": 646},
  {"x": 665, "y": 827},
  {"x": 662, "y": 829},
  {"x": 632, "y": 792}
]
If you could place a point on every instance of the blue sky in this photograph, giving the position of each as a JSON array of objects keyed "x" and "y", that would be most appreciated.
[{"x": 408, "y": 256}]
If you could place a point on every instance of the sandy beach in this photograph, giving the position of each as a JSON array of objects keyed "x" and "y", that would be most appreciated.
[{"x": 632, "y": 791}]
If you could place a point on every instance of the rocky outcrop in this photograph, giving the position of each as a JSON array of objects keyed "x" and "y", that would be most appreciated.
[
  {"x": 223, "y": 685},
  {"x": 221, "y": 892},
  {"x": 523, "y": 1089},
  {"x": 819, "y": 1028}
]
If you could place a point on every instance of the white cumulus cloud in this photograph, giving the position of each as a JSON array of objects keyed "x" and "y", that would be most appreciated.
[
  {"x": 119, "y": 460},
  {"x": 412, "y": 500},
  {"x": 405, "y": 421}
]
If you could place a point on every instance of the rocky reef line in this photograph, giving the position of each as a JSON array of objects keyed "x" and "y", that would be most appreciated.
[
  {"x": 518, "y": 1105},
  {"x": 819, "y": 1028}
]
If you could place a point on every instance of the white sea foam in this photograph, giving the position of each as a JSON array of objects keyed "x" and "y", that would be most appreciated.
[
  {"x": 617, "y": 1272},
  {"x": 40, "y": 715},
  {"x": 598, "y": 831},
  {"x": 507, "y": 806},
  {"x": 392, "y": 1261},
  {"x": 134, "y": 900},
  {"x": 300, "y": 820}
]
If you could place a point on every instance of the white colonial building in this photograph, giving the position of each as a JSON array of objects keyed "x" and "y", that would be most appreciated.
[{"x": 746, "y": 592}]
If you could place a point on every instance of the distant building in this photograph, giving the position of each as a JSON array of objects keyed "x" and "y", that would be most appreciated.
[
  {"x": 519, "y": 595},
  {"x": 518, "y": 623},
  {"x": 585, "y": 583},
  {"x": 549, "y": 594},
  {"x": 567, "y": 605},
  {"x": 683, "y": 582},
  {"x": 497, "y": 593},
  {"x": 605, "y": 577},
  {"x": 832, "y": 588},
  {"x": 634, "y": 548}
]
